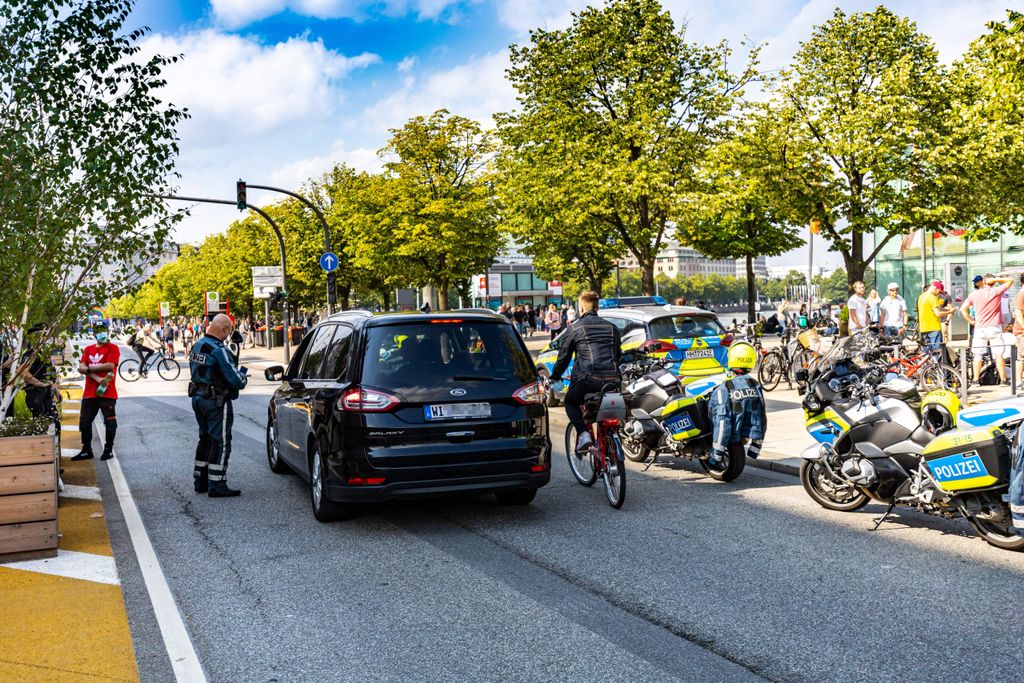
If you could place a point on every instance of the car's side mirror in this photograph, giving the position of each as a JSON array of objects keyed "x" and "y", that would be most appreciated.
[
  {"x": 274, "y": 373},
  {"x": 802, "y": 375}
]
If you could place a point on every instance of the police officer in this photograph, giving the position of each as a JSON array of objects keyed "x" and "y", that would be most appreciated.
[
  {"x": 737, "y": 407},
  {"x": 216, "y": 379}
]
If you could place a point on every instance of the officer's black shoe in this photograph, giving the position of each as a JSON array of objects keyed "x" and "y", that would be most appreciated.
[
  {"x": 83, "y": 455},
  {"x": 201, "y": 483},
  {"x": 219, "y": 489},
  {"x": 107, "y": 454}
]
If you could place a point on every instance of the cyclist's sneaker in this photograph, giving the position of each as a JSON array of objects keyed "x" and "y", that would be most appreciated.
[
  {"x": 584, "y": 443},
  {"x": 83, "y": 455}
]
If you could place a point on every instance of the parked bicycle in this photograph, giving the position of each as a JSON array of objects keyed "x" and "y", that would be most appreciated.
[
  {"x": 603, "y": 412},
  {"x": 776, "y": 364},
  {"x": 131, "y": 369}
]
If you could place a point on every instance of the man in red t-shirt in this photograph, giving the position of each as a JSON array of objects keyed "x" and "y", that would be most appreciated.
[{"x": 99, "y": 365}]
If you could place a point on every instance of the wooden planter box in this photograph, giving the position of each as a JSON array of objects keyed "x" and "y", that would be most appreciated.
[{"x": 28, "y": 497}]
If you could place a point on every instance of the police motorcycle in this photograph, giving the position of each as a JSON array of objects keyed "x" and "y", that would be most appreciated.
[
  {"x": 872, "y": 445},
  {"x": 666, "y": 420}
]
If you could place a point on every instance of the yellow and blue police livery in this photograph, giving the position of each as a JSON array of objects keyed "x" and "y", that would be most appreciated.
[{"x": 691, "y": 338}]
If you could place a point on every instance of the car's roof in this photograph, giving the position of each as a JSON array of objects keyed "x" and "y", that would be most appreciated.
[
  {"x": 362, "y": 317},
  {"x": 648, "y": 313}
]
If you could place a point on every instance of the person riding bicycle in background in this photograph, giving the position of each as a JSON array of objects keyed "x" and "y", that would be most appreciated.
[
  {"x": 145, "y": 344},
  {"x": 737, "y": 406},
  {"x": 598, "y": 348}
]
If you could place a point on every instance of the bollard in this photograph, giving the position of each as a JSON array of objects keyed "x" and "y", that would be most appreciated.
[{"x": 963, "y": 377}]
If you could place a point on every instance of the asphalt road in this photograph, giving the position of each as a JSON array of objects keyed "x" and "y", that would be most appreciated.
[{"x": 691, "y": 580}]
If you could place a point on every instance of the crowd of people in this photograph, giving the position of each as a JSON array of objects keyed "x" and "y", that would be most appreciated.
[{"x": 530, "y": 320}]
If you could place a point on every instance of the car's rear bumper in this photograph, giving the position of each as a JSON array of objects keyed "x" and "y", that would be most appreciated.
[{"x": 421, "y": 488}]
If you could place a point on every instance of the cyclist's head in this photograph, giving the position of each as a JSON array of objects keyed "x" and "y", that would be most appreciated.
[
  {"x": 588, "y": 302},
  {"x": 742, "y": 357}
]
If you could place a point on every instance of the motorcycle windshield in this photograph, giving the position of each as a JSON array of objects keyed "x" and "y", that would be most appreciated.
[{"x": 853, "y": 348}]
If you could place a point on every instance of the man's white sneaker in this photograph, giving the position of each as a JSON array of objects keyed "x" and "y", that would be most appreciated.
[{"x": 584, "y": 443}]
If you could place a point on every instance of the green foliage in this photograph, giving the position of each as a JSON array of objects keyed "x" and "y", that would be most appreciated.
[
  {"x": 855, "y": 119},
  {"x": 615, "y": 112},
  {"x": 24, "y": 426},
  {"x": 83, "y": 137}
]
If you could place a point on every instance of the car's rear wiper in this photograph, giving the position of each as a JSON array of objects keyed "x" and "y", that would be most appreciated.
[{"x": 475, "y": 378}]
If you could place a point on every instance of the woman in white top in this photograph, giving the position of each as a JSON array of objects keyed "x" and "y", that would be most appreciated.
[{"x": 553, "y": 320}]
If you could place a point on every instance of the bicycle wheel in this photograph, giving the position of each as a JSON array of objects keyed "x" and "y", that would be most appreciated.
[
  {"x": 168, "y": 369},
  {"x": 582, "y": 467},
  {"x": 940, "y": 376},
  {"x": 614, "y": 471},
  {"x": 128, "y": 370},
  {"x": 770, "y": 372},
  {"x": 802, "y": 360}
]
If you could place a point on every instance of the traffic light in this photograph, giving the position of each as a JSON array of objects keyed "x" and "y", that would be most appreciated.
[{"x": 240, "y": 195}]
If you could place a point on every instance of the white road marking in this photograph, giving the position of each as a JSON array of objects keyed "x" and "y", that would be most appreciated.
[
  {"x": 68, "y": 452},
  {"x": 70, "y": 411},
  {"x": 65, "y": 428},
  {"x": 73, "y": 565},
  {"x": 179, "y": 646},
  {"x": 81, "y": 492}
]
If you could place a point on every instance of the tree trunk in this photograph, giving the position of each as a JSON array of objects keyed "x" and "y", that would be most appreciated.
[
  {"x": 442, "y": 295},
  {"x": 385, "y": 297},
  {"x": 647, "y": 276},
  {"x": 855, "y": 268},
  {"x": 344, "y": 296},
  {"x": 751, "y": 290}
]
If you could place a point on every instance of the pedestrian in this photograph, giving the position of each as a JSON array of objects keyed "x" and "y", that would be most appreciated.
[
  {"x": 680, "y": 301},
  {"x": 983, "y": 308},
  {"x": 858, "y": 307},
  {"x": 519, "y": 316},
  {"x": 553, "y": 320},
  {"x": 531, "y": 319},
  {"x": 1018, "y": 329},
  {"x": 187, "y": 338},
  {"x": 570, "y": 316},
  {"x": 39, "y": 376},
  {"x": 216, "y": 380},
  {"x": 893, "y": 312},
  {"x": 99, "y": 365},
  {"x": 168, "y": 339},
  {"x": 564, "y": 312},
  {"x": 874, "y": 311},
  {"x": 802, "y": 321},
  {"x": 930, "y": 313}
]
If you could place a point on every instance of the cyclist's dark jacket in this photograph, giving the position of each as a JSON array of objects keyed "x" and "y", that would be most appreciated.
[
  {"x": 212, "y": 364},
  {"x": 738, "y": 412},
  {"x": 597, "y": 345}
]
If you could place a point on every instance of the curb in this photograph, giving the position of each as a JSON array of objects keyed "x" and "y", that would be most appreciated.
[{"x": 787, "y": 465}]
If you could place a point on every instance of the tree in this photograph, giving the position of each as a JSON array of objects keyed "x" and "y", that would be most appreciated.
[
  {"x": 83, "y": 139},
  {"x": 443, "y": 222},
  {"x": 626, "y": 107},
  {"x": 731, "y": 214},
  {"x": 856, "y": 117}
]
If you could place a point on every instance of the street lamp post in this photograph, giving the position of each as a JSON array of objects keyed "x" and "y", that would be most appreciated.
[
  {"x": 332, "y": 292},
  {"x": 280, "y": 243}
]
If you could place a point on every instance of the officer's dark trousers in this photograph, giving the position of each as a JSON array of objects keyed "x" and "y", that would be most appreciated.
[
  {"x": 578, "y": 390},
  {"x": 90, "y": 408},
  {"x": 214, "y": 447}
]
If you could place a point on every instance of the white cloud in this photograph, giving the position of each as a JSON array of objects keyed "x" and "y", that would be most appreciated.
[
  {"x": 295, "y": 173},
  {"x": 235, "y": 87},
  {"x": 407, "y": 64},
  {"x": 237, "y": 13}
]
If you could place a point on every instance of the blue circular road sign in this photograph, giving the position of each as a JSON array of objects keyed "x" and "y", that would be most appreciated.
[{"x": 329, "y": 262}]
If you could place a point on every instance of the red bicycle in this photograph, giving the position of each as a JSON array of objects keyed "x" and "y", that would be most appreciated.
[{"x": 603, "y": 413}]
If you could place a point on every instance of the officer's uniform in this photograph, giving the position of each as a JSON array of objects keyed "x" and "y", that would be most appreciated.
[
  {"x": 216, "y": 380},
  {"x": 737, "y": 412}
]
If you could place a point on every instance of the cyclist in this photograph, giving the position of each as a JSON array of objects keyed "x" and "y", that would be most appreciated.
[
  {"x": 145, "y": 344},
  {"x": 597, "y": 345},
  {"x": 737, "y": 406}
]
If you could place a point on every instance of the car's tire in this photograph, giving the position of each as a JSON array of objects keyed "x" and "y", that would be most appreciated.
[
  {"x": 324, "y": 510},
  {"x": 550, "y": 399},
  {"x": 277, "y": 465},
  {"x": 516, "y": 497}
]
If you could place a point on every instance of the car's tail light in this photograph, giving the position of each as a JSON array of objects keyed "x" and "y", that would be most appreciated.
[
  {"x": 446, "y": 320},
  {"x": 531, "y": 393},
  {"x": 365, "y": 481},
  {"x": 542, "y": 467},
  {"x": 359, "y": 400},
  {"x": 728, "y": 339}
]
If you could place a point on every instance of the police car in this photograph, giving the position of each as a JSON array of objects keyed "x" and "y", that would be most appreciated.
[{"x": 693, "y": 340}]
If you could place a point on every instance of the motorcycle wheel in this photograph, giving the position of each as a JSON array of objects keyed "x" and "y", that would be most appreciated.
[
  {"x": 635, "y": 449},
  {"x": 999, "y": 535},
  {"x": 831, "y": 495},
  {"x": 735, "y": 461}
]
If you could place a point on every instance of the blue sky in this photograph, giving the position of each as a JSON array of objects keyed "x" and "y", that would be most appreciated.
[{"x": 280, "y": 90}]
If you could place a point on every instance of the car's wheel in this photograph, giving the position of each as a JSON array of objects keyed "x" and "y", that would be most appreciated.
[
  {"x": 516, "y": 497},
  {"x": 324, "y": 509},
  {"x": 550, "y": 398},
  {"x": 277, "y": 465}
]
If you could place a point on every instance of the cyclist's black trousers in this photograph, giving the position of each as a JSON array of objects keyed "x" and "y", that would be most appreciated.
[
  {"x": 578, "y": 389},
  {"x": 215, "y": 420},
  {"x": 90, "y": 408},
  {"x": 144, "y": 355}
]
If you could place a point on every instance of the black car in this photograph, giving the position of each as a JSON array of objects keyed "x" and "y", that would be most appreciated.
[{"x": 380, "y": 407}]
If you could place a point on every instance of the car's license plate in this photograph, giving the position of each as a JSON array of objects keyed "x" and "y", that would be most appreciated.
[
  {"x": 456, "y": 411},
  {"x": 700, "y": 353}
]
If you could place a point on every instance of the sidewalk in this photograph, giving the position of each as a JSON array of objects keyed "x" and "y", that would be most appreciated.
[{"x": 63, "y": 618}]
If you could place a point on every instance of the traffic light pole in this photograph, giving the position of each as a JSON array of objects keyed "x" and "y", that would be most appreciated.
[
  {"x": 280, "y": 242},
  {"x": 332, "y": 292}
]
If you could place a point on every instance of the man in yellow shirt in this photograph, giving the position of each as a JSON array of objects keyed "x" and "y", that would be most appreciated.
[{"x": 930, "y": 312}]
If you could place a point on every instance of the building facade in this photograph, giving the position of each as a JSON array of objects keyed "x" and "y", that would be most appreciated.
[
  {"x": 513, "y": 280},
  {"x": 675, "y": 259}
]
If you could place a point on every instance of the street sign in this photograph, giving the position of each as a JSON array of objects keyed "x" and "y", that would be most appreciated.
[
  {"x": 165, "y": 309},
  {"x": 555, "y": 286},
  {"x": 267, "y": 276},
  {"x": 263, "y": 292},
  {"x": 329, "y": 261}
]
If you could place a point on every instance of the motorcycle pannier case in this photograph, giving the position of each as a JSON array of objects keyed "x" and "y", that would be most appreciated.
[
  {"x": 969, "y": 459},
  {"x": 687, "y": 417}
]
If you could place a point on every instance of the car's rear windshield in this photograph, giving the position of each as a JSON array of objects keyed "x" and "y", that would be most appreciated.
[
  {"x": 438, "y": 353},
  {"x": 686, "y": 326}
]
